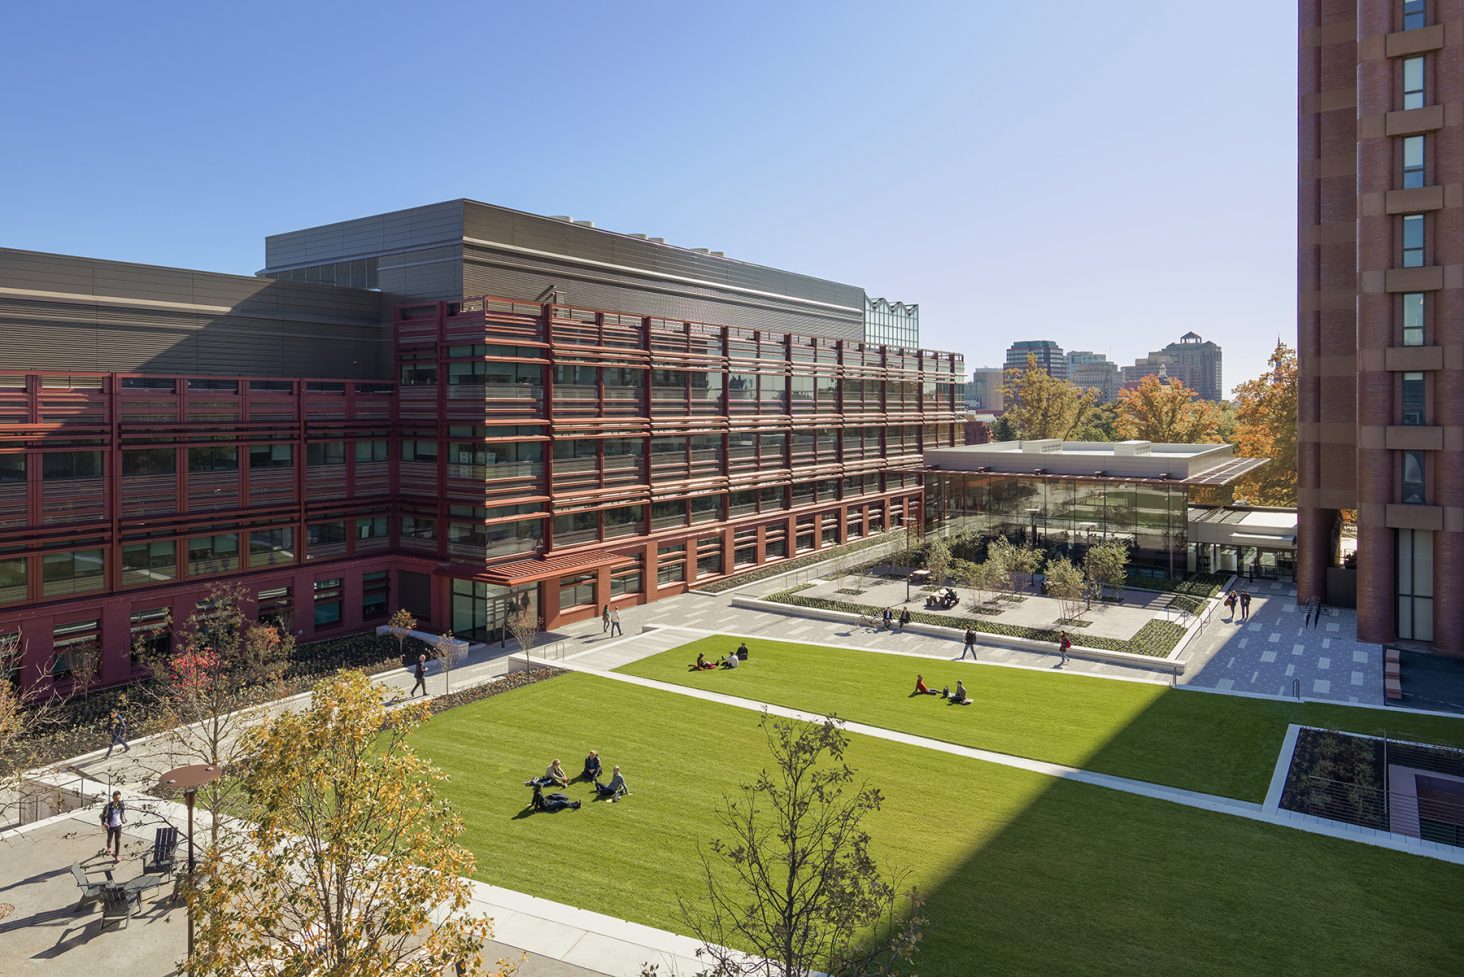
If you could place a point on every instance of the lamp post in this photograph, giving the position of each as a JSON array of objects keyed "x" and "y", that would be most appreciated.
[{"x": 188, "y": 779}]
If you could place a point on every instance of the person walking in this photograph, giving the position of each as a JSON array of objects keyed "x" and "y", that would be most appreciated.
[
  {"x": 970, "y": 644},
  {"x": 118, "y": 729},
  {"x": 605, "y": 620},
  {"x": 1245, "y": 599},
  {"x": 421, "y": 673},
  {"x": 114, "y": 815},
  {"x": 615, "y": 623},
  {"x": 1230, "y": 605},
  {"x": 1063, "y": 644}
]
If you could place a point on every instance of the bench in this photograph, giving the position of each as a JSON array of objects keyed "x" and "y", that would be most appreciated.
[{"x": 1392, "y": 675}]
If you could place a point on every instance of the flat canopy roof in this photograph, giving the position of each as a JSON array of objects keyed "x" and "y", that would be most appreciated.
[
  {"x": 1188, "y": 464},
  {"x": 532, "y": 571}
]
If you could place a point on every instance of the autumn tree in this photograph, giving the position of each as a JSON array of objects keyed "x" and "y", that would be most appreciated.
[
  {"x": 1265, "y": 427},
  {"x": 399, "y": 624},
  {"x": 793, "y": 878},
  {"x": 352, "y": 864},
  {"x": 938, "y": 560},
  {"x": 224, "y": 670},
  {"x": 1167, "y": 412},
  {"x": 1042, "y": 406}
]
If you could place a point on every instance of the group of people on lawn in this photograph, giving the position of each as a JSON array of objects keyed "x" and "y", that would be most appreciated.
[
  {"x": 956, "y": 698},
  {"x": 733, "y": 660},
  {"x": 555, "y": 776}
]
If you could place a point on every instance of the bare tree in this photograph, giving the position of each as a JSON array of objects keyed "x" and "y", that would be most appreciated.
[
  {"x": 525, "y": 629},
  {"x": 793, "y": 881},
  {"x": 449, "y": 651}
]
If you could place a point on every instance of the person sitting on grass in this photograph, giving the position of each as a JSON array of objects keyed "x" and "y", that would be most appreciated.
[
  {"x": 551, "y": 802},
  {"x": 921, "y": 688},
  {"x": 742, "y": 651},
  {"x": 553, "y": 777},
  {"x": 614, "y": 790},
  {"x": 732, "y": 660},
  {"x": 958, "y": 697},
  {"x": 592, "y": 767},
  {"x": 701, "y": 663}
]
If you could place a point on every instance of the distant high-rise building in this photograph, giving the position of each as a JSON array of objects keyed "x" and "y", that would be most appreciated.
[
  {"x": 891, "y": 323},
  {"x": 1049, "y": 355},
  {"x": 983, "y": 393},
  {"x": 1094, "y": 370},
  {"x": 1193, "y": 360}
]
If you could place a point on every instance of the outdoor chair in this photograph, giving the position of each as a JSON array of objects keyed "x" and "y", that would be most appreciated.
[
  {"x": 117, "y": 903},
  {"x": 164, "y": 855},
  {"x": 90, "y": 891}
]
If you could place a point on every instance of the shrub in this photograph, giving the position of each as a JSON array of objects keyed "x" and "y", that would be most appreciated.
[{"x": 1155, "y": 639}]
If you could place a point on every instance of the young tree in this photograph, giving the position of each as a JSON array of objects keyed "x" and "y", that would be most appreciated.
[
  {"x": 224, "y": 670},
  {"x": 1265, "y": 427},
  {"x": 1168, "y": 413},
  {"x": 1065, "y": 584},
  {"x": 525, "y": 630},
  {"x": 1106, "y": 565},
  {"x": 449, "y": 651},
  {"x": 353, "y": 865},
  {"x": 399, "y": 624},
  {"x": 1026, "y": 560},
  {"x": 987, "y": 578},
  {"x": 1001, "y": 555},
  {"x": 1040, "y": 406},
  {"x": 793, "y": 879},
  {"x": 938, "y": 560},
  {"x": 967, "y": 574}
]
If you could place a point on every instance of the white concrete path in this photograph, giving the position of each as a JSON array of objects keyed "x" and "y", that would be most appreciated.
[{"x": 632, "y": 648}]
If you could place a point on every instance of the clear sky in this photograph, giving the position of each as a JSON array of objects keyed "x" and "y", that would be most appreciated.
[{"x": 1106, "y": 174}]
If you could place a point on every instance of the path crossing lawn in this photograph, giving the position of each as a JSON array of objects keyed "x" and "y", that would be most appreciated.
[
  {"x": 1025, "y": 874},
  {"x": 1217, "y": 744}
]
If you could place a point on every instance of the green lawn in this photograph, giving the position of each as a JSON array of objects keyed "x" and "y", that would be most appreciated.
[
  {"x": 1024, "y": 874},
  {"x": 1218, "y": 744}
]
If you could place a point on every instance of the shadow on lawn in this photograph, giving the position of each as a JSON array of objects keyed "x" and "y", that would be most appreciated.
[{"x": 1090, "y": 881}]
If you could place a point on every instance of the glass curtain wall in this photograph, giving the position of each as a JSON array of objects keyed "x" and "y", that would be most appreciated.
[
  {"x": 1065, "y": 513},
  {"x": 481, "y": 611}
]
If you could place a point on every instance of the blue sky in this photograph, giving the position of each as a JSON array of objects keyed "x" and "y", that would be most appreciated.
[{"x": 1109, "y": 175}]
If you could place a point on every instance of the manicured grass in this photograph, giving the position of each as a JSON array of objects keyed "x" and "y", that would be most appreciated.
[
  {"x": 1218, "y": 744},
  {"x": 1025, "y": 875}
]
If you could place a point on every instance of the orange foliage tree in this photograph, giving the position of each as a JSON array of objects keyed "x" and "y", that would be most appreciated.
[
  {"x": 1169, "y": 413},
  {"x": 1265, "y": 427}
]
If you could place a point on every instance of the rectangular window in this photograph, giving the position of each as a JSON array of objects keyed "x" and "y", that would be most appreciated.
[
  {"x": 1415, "y": 584},
  {"x": 419, "y": 527},
  {"x": 328, "y": 602},
  {"x": 419, "y": 451},
  {"x": 1413, "y": 319},
  {"x": 13, "y": 580},
  {"x": 371, "y": 527},
  {"x": 218, "y": 553},
  {"x": 707, "y": 508},
  {"x": 57, "y": 465},
  {"x": 627, "y": 579},
  {"x": 577, "y": 590},
  {"x": 1413, "y": 241},
  {"x": 671, "y": 563},
  {"x": 1413, "y": 83},
  {"x": 150, "y": 461},
  {"x": 213, "y": 459},
  {"x": 1413, "y": 14},
  {"x": 1412, "y": 162},
  {"x": 323, "y": 453},
  {"x": 374, "y": 450},
  {"x": 375, "y": 594},
  {"x": 1413, "y": 488},
  {"x": 271, "y": 547},
  {"x": 75, "y": 649},
  {"x": 325, "y": 539},
  {"x": 77, "y": 572},
  {"x": 271, "y": 455},
  {"x": 276, "y": 607},
  {"x": 708, "y": 556},
  {"x": 149, "y": 563},
  {"x": 1413, "y": 399}
]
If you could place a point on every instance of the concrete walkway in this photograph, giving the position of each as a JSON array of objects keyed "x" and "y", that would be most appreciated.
[{"x": 623, "y": 650}]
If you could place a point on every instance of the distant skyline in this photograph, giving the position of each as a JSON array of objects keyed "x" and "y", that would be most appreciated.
[{"x": 1109, "y": 176}]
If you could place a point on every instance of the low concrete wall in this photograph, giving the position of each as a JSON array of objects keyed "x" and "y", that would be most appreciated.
[{"x": 1170, "y": 665}]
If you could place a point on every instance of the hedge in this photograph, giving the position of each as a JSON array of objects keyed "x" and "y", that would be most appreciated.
[
  {"x": 513, "y": 680},
  {"x": 1155, "y": 639},
  {"x": 1200, "y": 585},
  {"x": 797, "y": 563}
]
